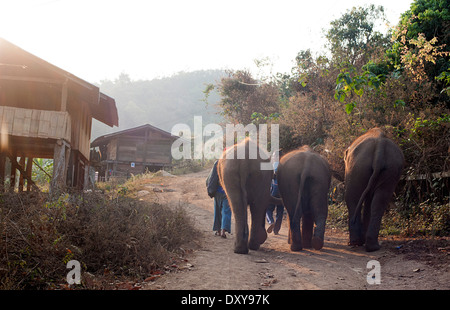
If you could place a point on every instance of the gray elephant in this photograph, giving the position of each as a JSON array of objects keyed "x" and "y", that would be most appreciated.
[
  {"x": 245, "y": 183},
  {"x": 304, "y": 179},
  {"x": 373, "y": 166}
]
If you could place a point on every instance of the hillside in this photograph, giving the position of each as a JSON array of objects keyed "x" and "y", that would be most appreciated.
[{"x": 161, "y": 102}]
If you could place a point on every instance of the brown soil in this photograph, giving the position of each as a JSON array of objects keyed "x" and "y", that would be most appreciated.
[{"x": 419, "y": 264}]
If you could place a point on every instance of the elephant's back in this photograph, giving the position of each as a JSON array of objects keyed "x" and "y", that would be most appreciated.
[
  {"x": 303, "y": 163},
  {"x": 300, "y": 157},
  {"x": 362, "y": 152},
  {"x": 394, "y": 153}
]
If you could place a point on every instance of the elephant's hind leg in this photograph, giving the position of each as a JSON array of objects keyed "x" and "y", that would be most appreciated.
[
  {"x": 319, "y": 206},
  {"x": 294, "y": 233},
  {"x": 307, "y": 230},
  {"x": 239, "y": 210},
  {"x": 379, "y": 203},
  {"x": 258, "y": 234},
  {"x": 354, "y": 228}
]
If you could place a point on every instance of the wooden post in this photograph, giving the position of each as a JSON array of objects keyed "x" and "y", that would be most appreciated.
[
  {"x": 15, "y": 165},
  {"x": 107, "y": 172},
  {"x": 22, "y": 165},
  {"x": 86, "y": 177},
  {"x": 12, "y": 179},
  {"x": 66, "y": 163},
  {"x": 2, "y": 171},
  {"x": 64, "y": 96},
  {"x": 28, "y": 172},
  {"x": 75, "y": 168},
  {"x": 59, "y": 167},
  {"x": 144, "y": 157}
]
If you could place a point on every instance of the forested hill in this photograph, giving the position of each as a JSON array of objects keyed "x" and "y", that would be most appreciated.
[{"x": 161, "y": 102}]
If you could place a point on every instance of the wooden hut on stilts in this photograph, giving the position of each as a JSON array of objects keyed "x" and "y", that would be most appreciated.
[{"x": 46, "y": 112}]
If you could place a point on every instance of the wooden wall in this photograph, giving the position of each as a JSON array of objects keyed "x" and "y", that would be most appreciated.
[
  {"x": 81, "y": 126},
  {"x": 137, "y": 150},
  {"x": 134, "y": 151},
  {"x": 35, "y": 123}
]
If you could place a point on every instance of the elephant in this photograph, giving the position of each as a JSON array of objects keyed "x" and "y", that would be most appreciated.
[
  {"x": 373, "y": 166},
  {"x": 245, "y": 183},
  {"x": 304, "y": 179}
]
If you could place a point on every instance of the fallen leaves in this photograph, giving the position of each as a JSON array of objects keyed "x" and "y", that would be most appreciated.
[
  {"x": 109, "y": 281},
  {"x": 268, "y": 279},
  {"x": 174, "y": 267},
  {"x": 154, "y": 275}
]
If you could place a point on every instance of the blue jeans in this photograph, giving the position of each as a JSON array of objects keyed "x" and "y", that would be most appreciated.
[
  {"x": 280, "y": 209},
  {"x": 222, "y": 213},
  {"x": 279, "y": 216}
]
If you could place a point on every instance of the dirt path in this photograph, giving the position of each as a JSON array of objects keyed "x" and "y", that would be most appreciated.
[{"x": 274, "y": 267}]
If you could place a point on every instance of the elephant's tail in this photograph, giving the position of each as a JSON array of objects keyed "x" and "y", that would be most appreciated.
[
  {"x": 377, "y": 165},
  {"x": 298, "y": 208},
  {"x": 243, "y": 186}
]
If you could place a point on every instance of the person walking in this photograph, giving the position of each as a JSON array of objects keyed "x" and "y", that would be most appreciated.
[
  {"x": 222, "y": 210},
  {"x": 275, "y": 225}
]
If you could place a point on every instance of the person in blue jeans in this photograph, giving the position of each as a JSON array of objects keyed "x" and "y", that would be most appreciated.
[
  {"x": 275, "y": 225},
  {"x": 222, "y": 210}
]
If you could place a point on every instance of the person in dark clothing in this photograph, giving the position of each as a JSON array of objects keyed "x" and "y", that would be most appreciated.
[
  {"x": 222, "y": 210},
  {"x": 275, "y": 225}
]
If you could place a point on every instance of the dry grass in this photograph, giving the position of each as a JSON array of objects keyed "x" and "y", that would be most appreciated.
[{"x": 111, "y": 234}]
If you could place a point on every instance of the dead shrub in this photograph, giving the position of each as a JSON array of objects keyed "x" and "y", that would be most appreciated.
[{"x": 118, "y": 237}]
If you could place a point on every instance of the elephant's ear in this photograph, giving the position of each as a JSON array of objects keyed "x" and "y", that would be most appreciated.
[{"x": 345, "y": 154}]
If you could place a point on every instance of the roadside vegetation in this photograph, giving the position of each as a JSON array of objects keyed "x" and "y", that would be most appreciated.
[
  {"x": 114, "y": 235},
  {"x": 398, "y": 80},
  {"x": 395, "y": 78}
]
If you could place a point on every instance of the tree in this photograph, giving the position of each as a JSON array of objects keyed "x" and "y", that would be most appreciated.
[
  {"x": 415, "y": 55},
  {"x": 405, "y": 91},
  {"x": 419, "y": 57},
  {"x": 243, "y": 98},
  {"x": 423, "y": 39},
  {"x": 431, "y": 17},
  {"x": 353, "y": 36}
]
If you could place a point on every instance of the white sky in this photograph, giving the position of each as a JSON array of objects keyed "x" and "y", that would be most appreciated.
[{"x": 99, "y": 39}]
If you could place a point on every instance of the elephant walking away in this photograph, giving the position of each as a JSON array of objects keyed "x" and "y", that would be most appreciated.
[
  {"x": 304, "y": 179},
  {"x": 246, "y": 184},
  {"x": 373, "y": 166}
]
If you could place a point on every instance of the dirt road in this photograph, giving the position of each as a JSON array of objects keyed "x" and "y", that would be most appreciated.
[{"x": 214, "y": 266}]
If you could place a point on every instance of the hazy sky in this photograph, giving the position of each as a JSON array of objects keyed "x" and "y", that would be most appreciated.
[{"x": 98, "y": 39}]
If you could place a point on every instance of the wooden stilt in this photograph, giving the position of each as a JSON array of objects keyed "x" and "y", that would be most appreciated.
[
  {"x": 12, "y": 179},
  {"x": 86, "y": 177},
  {"x": 15, "y": 165},
  {"x": 2, "y": 171},
  {"x": 21, "y": 175},
  {"x": 28, "y": 172},
  {"x": 59, "y": 167}
]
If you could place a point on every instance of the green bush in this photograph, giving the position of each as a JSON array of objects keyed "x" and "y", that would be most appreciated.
[
  {"x": 337, "y": 216},
  {"x": 426, "y": 218}
]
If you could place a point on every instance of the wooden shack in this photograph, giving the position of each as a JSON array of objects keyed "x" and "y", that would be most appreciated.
[
  {"x": 132, "y": 151},
  {"x": 46, "y": 112}
]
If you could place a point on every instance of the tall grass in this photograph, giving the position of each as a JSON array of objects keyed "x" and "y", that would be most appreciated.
[
  {"x": 118, "y": 236},
  {"x": 423, "y": 219}
]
